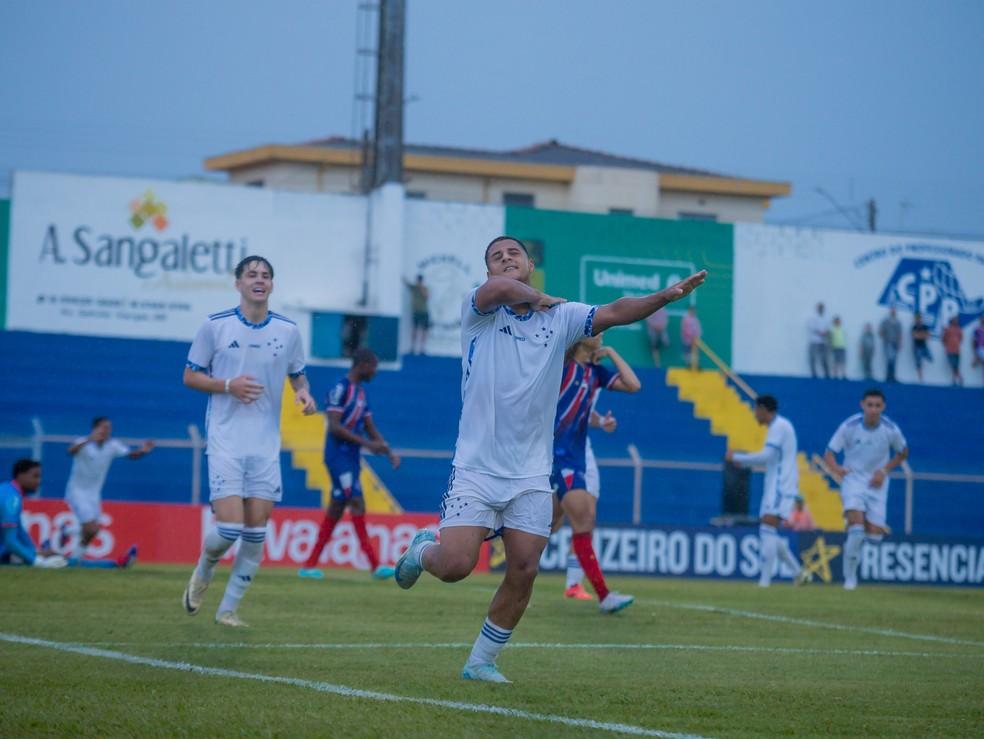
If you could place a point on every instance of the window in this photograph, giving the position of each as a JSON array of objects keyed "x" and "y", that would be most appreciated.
[
  {"x": 519, "y": 199},
  {"x": 684, "y": 215},
  {"x": 416, "y": 195},
  {"x": 621, "y": 211}
]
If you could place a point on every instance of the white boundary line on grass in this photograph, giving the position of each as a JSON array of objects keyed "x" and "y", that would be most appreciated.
[
  {"x": 817, "y": 624},
  {"x": 323, "y": 687},
  {"x": 536, "y": 645}
]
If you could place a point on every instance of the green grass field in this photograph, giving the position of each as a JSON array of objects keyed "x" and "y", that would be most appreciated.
[{"x": 120, "y": 658}]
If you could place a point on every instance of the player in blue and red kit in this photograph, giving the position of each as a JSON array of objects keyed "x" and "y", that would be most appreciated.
[
  {"x": 350, "y": 427},
  {"x": 583, "y": 377}
]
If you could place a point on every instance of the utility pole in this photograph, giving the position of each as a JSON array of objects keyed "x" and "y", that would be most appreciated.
[
  {"x": 872, "y": 215},
  {"x": 388, "y": 143}
]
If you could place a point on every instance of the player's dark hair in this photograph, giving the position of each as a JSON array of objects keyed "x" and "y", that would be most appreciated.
[
  {"x": 497, "y": 239},
  {"x": 23, "y": 465},
  {"x": 98, "y": 420},
  {"x": 246, "y": 261},
  {"x": 768, "y": 402},
  {"x": 364, "y": 356},
  {"x": 872, "y": 392}
]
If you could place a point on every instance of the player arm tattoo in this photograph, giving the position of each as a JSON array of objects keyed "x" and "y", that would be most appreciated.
[{"x": 629, "y": 310}]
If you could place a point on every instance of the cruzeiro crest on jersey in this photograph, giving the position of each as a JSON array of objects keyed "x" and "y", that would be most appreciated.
[{"x": 930, "y": 287}]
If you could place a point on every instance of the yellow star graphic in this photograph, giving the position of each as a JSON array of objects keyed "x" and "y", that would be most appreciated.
[{"x": 817, "y": 558}]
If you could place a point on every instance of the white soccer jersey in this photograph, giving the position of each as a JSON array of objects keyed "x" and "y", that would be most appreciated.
[
  {"x": 779, "y": 457},
  {"x": 511, "y": 371},
  {"x": 90, "y": 466},
  {"x": 866, "y": 450},
  {"x": 227, "y": 346}
]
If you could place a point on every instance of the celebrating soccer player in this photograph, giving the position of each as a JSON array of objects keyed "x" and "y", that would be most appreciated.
[
  {"x": 867, "y": 440},
  {"x": 513, "y": 339},
  {"x": 241, "y": 357}
]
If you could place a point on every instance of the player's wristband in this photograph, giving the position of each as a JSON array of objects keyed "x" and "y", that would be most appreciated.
[{"x": 228, "y": 380}]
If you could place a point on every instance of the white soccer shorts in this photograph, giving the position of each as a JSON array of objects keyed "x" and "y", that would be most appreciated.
[
  {"x": 86, "y": 506},
  {"x": 249, "y": 477},
  {"x": 476, "y": 499},
  {"x": 857, "y": 495},
  {"x": 776, "y": 504}
]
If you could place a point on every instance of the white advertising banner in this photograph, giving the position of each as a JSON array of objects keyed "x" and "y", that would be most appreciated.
[
  {"x": 782, "y": 273},
  {"x": 150, "y": 259},
  {"x": 445, "y": 243}
]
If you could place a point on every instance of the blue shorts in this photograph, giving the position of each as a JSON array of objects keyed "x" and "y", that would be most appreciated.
[
  {"x": 345, "y": 483},
  {"x": 566, "y": 477}
]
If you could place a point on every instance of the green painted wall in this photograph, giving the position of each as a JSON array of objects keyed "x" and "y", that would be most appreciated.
[
  {"x": 4, "y": 251},
  {"x": 599, "y": 258}
]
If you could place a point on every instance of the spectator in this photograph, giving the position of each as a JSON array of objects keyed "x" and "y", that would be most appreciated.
[
  {"x": 689, "y": 334},
  {"x": 838, "y": 346},
  {"x": 920, "y": 343},
  {"x": 800, "y": 519},
  {"x": 867, "y": 351},
  {"x": 819, "y": 329},
  {"x": 890, "y": 330},
  {"x": 952, "y": 339},
  {"x": 979, "y": 344},
  {"x": 420, "y": 314},
  {"x": 659, "y": 339}
]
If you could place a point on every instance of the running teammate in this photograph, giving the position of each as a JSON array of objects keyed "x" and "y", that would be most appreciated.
[
  {"x": 241, "y": 357},
  {"x": 350, "y": 427},
  {"x": 514, "y": 338},
  {"x": 583, "y": 377},
  {"x": 867, "y": 440},
  {"x": 780, "y": 488},
  {"x": 92, "y": 456}
]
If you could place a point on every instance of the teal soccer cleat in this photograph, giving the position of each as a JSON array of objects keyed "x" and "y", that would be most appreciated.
[
  {"x": 488, "y": 673},
  {"x": 408, "y": 567}
]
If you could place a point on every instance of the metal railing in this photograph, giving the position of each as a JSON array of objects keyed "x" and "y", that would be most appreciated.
[{"x": 195, "y": 444}]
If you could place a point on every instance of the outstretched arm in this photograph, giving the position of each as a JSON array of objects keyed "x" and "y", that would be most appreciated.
[
  {"x": 764, "y": 456},
  {"x": 142, "y": 451},
  {"x": 506, "y": 291},
  {"x": 629, "y": 310}
]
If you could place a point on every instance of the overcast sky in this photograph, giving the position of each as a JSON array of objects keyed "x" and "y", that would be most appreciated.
[{"x": 846, "y": 100}]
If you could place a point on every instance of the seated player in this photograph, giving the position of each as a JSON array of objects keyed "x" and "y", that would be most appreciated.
[
  {"x": 582, "y": 378},
  {"x": 348, "y": 418}
]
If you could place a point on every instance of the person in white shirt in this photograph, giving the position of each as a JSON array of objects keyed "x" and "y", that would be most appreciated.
[
  {"x": 872, "y": 446},
  {"x": 514, "y": 338},
  {"x": 819, "y": 330},
  {"x": 781, "y": 484},
  {"x": 92, "y": 456},
  {"x": 241, "y": 358}
]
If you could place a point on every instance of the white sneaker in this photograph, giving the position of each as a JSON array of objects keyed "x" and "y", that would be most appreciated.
[
  {"x": 615, "y": 602},
  {"x": 52, "y": 562},
  {"x": 487, "y": 672},
  {"x": 230, "y": 618},
  {"x": 194, "y": 593},
  {"x": 408, "y": 567},
  {"x": 850, "y": 585}
]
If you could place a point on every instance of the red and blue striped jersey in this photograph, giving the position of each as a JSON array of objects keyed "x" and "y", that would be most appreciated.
[
  {"x": 349, "y": 399},
  {"x": 578, "y": 388}
]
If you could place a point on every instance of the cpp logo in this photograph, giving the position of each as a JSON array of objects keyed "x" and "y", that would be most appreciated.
[{"x": 930, "y": 287}]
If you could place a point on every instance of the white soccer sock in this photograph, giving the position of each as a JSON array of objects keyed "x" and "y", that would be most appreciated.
[
  {"x": 244, "y": 568},
  {"x": 768, "y": 548},
  {"x": 852, "y": 552},
  {"x": 574, "y": 572},
  {"x": 491, "y": 639},
  {"x": 217, "y": 543},
  {"x": 786, "y": 554}
]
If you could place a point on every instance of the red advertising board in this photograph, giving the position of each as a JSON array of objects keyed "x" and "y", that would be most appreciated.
[{"x": 173, "y": 533}]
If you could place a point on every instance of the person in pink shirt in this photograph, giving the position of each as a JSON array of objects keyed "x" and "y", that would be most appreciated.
[
  {"x": 800, "y": 518},
  {"x": 952, "y": 339},
  {"x": 689, "y": 333}
]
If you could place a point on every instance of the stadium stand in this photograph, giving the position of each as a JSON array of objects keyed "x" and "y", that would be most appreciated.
[{"x": 66, "y": 380}]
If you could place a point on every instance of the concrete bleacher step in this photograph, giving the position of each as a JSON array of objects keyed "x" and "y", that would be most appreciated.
[{"x": 730, "y": 417}]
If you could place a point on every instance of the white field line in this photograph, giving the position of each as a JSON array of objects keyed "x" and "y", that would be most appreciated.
[
  {"x": 534, "y": 645},
  {"x": 342, "y": 690},
  {"x": 816, "y": 624}
]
